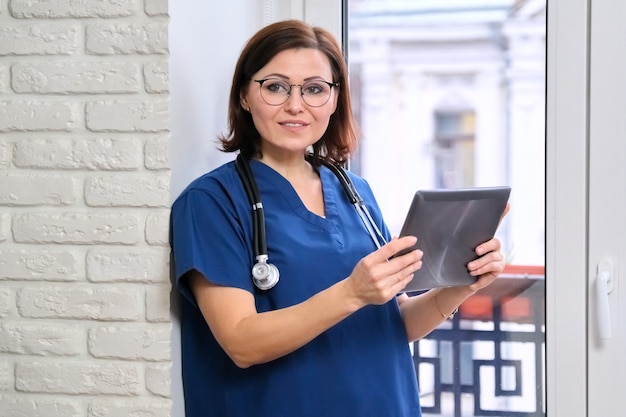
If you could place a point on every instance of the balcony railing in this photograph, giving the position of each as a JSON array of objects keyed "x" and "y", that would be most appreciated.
[{"x": 489, "y": 360}]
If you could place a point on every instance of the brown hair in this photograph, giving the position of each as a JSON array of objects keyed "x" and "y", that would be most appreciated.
[{"x": 340, "y": 138}]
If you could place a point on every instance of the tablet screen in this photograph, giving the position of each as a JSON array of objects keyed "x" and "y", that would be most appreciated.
[{"x": 449, "y": 224}]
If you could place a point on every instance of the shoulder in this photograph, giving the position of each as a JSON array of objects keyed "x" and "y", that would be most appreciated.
[
  {"x": 356, "y": 179},
  {"x": 361, "y": 184},
  {"x": 219, "y": 181}
]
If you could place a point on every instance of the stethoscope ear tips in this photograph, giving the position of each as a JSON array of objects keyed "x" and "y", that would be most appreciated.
[{"x": 265, "y": 276}]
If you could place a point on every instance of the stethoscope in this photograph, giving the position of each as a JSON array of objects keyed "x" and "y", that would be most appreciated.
[{"x": 264, "y": 274}]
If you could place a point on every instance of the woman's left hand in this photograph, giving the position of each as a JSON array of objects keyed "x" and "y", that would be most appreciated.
[
  {"x": 424, "y": 312},
  {"x": 488, "y": 266},
  {"x": 490, "y": 263}
]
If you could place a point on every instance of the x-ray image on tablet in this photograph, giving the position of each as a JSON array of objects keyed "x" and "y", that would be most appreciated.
[{"x": 449, "y": 224}]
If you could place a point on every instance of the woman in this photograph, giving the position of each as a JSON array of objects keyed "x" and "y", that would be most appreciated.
[{"x": 331, "y": 337}]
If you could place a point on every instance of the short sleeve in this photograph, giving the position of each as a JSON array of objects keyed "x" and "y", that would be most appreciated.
[{"x": 207, "y": 235}]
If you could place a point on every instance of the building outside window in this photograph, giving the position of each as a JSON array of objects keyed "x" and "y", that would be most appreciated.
[{"x": 454, "y": 149}]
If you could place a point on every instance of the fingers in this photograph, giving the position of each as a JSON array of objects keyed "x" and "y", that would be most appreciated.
[
  {"x": 376, "y": 278},
  {"x": 489, "y": 264},
  {"x": 399, "y": 270},
  {"x": 492, "y": 262},
  {"x": 489, "y": 246},
  {"x": 394, "y": 246},
  {"x": 379, "y": 262},
  {"x": 405, "y": 264},
  {"x": 506, "y": 209},
  {"x": 504, "y": 213},
  {"x": 402, "y": 283}
]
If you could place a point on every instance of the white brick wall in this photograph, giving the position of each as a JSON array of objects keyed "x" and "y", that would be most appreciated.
[{"x": 85, "y": 327}]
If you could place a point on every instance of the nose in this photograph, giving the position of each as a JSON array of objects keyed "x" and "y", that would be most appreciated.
[{"x": 295, "y": 101}]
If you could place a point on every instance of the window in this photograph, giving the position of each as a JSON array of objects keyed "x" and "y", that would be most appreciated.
[
  {"x": 454, "y": 149},
  {"x": 452, "y": 95}
]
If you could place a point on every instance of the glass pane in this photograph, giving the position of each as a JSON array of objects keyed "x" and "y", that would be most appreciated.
[{"x": 451, "y": 94}]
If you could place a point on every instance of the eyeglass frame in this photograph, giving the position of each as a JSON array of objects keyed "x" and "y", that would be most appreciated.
[{"x": 261, "y": 81}]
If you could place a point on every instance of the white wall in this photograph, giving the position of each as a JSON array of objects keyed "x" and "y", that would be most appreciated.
[{"x": 205, "y": 41}]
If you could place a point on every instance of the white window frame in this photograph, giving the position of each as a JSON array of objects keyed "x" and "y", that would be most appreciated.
[{"x": 566, "y": 208}]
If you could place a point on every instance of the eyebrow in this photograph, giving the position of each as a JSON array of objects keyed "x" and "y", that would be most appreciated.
[{"x": 286, "y": 78}]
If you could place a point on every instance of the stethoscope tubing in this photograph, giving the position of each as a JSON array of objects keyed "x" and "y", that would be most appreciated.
[
  {"x": 258, "y": 223},
  {"x": 358, "y": 203},
  {"x": 258, "y": 216}
]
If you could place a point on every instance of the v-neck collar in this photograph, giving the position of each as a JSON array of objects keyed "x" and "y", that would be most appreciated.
[{"x": 330, "y": 221}]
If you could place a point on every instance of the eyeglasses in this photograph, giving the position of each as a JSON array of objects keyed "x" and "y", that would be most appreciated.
[{"x": 315, "y": 93}]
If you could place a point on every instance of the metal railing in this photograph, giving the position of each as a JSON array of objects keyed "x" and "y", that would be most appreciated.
[{"x": 489, "y": 359}]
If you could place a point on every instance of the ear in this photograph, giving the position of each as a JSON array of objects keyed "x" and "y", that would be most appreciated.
[{"x": 244, "y": 104}]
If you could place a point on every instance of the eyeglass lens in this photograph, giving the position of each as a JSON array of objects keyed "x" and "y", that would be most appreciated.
[{"x": 275, "y": 91}]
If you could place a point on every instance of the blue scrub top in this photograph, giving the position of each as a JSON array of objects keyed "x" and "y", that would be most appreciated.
[{"x": 362, "y": 366}]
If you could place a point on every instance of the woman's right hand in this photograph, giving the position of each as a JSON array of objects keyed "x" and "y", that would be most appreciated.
[
  {"x": 378, "y": 277},
  {"x": 251, "y": 338}
]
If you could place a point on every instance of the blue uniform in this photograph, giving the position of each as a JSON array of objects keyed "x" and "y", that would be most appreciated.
[{"x": 361, "y": 367}]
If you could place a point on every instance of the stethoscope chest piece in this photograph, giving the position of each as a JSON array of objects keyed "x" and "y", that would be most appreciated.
[{"x": 264, "y": 275}]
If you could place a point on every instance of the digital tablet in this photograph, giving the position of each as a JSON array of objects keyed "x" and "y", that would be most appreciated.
[{"x": 449, "y": 224}]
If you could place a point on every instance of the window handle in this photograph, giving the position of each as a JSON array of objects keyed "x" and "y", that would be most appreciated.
[{"x": 604, "y": 287}]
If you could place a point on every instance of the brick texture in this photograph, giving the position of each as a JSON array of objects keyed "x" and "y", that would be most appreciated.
[
  {"x": 85, "y": 323},
  {"x": 76, "y": 77}
]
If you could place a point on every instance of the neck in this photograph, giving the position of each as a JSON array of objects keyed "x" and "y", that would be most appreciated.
[{"x": 290, "y": 166}]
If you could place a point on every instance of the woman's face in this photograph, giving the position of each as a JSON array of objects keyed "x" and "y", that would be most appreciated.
[{"x": 288, "y": 129}]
